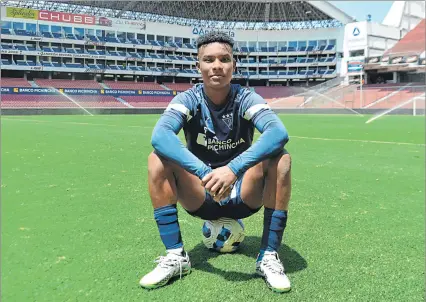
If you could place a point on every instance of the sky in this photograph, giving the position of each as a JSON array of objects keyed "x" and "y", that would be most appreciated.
[{"x": 360, "y": 9}]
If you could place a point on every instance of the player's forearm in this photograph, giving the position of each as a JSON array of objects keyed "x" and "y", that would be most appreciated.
[
  {"x": 272, "y": 140},
  {"x": 167, "y": 144}
]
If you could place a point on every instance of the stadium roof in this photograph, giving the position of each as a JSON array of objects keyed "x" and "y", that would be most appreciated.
[{"x": 310, "y": 13}]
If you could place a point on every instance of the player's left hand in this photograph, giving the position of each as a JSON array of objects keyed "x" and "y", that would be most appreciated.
[{"x": 218, "y": 182}]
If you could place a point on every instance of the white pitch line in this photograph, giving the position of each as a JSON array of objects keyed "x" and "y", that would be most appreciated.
[
  {"x": 74, "y": 123},
  {"x": 256, "y": 134},
  {"x": 356, "y": 140}
]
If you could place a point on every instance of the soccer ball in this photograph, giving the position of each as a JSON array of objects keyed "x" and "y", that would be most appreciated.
[{"x": 223, "y": 235}]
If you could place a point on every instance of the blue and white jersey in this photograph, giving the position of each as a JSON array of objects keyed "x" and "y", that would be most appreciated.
[{"x": 218, "y": 134}]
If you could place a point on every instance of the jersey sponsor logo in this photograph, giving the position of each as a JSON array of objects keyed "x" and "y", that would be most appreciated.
[
  {"x": 228, "y": 120},
  {"x": 218, "y": 145}
]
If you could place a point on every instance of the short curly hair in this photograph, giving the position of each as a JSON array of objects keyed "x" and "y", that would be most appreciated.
[{"x": 215, "y": 36}]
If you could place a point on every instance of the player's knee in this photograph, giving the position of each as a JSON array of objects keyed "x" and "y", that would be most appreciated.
[
  {"x": 257, "y": 173},
  {"x": 156, "y": 166},
  {"x": 284, "y": 167}
]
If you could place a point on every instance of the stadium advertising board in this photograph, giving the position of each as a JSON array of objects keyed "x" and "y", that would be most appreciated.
[
  {"x": 21, "y": 13},
  {"x": 71, "y": 91},
  {"x": 355, "y": 38},
  {"x": 201, "y": 31},
  {"x": 49, "y": 16},
  {"x": 62, "y": 17},
  {"x": 45, "y": 15},
  {"x": 355, "y": 66}
]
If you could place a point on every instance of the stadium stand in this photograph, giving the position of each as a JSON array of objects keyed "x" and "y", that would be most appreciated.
[
  {"x": 178, "y": 86},
  {"x": 281, "y": 69},
  {"x": 14, "y": 82},
  {"x": 147, "y": 101},
  {"x": 67, "y": 83},
  {"x": 133, "y": 85}
]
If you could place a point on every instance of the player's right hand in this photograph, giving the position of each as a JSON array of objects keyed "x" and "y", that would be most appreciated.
[{"x": 219, "y": 181}]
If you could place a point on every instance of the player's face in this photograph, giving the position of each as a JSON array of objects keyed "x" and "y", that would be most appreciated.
[{"x": 216, "y": 64}]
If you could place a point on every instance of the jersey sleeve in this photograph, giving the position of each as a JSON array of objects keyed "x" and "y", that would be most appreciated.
[
  {"x": 165, "y": 138},
  {"x": 253, "y": 107},
  {"x": 273, "y": 136},
  {"x": 181, "y": 108}
]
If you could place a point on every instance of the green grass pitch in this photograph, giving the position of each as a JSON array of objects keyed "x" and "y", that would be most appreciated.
[{"x": 77, "y": 222}]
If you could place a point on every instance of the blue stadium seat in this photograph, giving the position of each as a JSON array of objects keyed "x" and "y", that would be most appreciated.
[
  {"x": 302, "y": 48},
  {"x": 291, "y": 48},
  {"x": 21, "y": 63},
  {"x": 283, "y": 49},
  {"x": 173, "y": 44},
  {"x": 5, "y": 31},
  {"x": 111, "y": 39},
  {"x": 73, "y": 65},
  {"x": 330, "y": 47},
  {"x": 47, "y": 34},
  {"x": 57, "y": 35},
  {"x": 70, "y": 36},
  {"x": 23, "y": 32},
  {"x": 322, "y": 47},
  {"x": 93, "y": 38},
  {"x": 5, "y": 62},
  {"x": 190, "y": 46},
  {"x": 310, "y": 48},
  {"x": 20, "y": 47}
]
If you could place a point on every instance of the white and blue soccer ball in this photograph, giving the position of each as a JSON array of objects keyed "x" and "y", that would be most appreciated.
[{"x": 223, "y": 235}]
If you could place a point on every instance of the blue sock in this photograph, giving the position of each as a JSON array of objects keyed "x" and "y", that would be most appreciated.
[
  {"x": 274, "y": 222},
  {"x": 168, "y": 225}
]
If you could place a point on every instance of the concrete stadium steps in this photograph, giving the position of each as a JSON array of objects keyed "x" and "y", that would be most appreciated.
[
  {"x": 178, "y": 86},
  {"x": 14, "y": 82},
  {"x": 57, "y": 83},
  {"x": 59, "y": 101},
  {"x": 148, "y": 101},
  {"x": 133, "y": 85}
]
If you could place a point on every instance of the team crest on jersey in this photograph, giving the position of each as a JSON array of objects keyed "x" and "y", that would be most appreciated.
[{"x": 228, "y": 120}]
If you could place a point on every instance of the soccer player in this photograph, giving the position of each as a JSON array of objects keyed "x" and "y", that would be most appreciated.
[{"x": 220, "y": 173}]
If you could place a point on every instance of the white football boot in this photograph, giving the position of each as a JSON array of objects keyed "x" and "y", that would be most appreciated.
[
  {"x": 168, "y": 266},
  {"x": 271, "y": 268}
]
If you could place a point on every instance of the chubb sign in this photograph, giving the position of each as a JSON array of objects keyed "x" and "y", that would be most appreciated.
[{"x": 202, "y": 31}]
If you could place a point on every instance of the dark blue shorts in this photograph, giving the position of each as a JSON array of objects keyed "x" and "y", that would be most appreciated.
[{"x": 232, "y": 207}]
